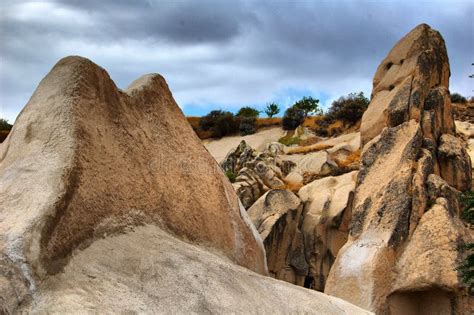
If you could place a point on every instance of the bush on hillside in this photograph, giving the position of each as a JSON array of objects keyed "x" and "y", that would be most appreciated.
[
  {"x": 272, "y": 109},
  {"x": 248, "y": 111},
  {"x": 220, "y": 123},
  {"x": 293, "y": 118},
  {"x": 308, "y": 105},
  {"x": 248, "y": 125},
  {"x": 4, "y": 125},
  {"x": 458, "y": 98},
  {"x": 349, "y": 108}
]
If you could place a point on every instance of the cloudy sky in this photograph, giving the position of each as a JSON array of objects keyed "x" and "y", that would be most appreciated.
[{"x": 224, "y": 54}]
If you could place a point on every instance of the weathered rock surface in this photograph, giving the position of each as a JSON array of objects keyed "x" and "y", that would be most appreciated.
[
  {"x": 256, "y": 173},
  {"x": 277, "y": 216},
  {"x": 455, "y": 163},
  {"x": 317, "y": 163},
  {"x": 417, "y": 63},
  {"x": 325, "y": 227},
  {"x": 148, "y": 271},
  {"x": 85, "y": 161},
  {"x": 302, "y": 243},
  {"x": 401, "y": 254}
]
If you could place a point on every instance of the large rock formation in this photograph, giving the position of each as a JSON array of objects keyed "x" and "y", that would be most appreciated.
[
  {"x": 85, "y": 160},
  {"x": 405, "y": 231},
  {"x": 277, "y": 217},
  {"x": 109, "y": 203},
  {"x": 302, "y": 236},
  {"x": 325, "y": 227}
]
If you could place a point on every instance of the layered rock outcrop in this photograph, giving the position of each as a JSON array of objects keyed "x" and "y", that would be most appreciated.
[
  {"x": 405, "y": 230},
  {"x": 277, "y": 215},
  {"x": 255, "y": 172}
]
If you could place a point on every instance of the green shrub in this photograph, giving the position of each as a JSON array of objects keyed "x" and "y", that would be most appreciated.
[
  {"x": 220, "y": 123},
  {"x": 248, "y": 125},
  {"x": 458, "y": 98},
  {"x": 4, "y": 125},
  {"x": 231, "y": 176},
  {"x": 308, "y": 105},
  {"x": 289, "y": 141},
  {"x": 248, "y": 111},
  {"x": 349, "y": 108},
  {"x": 272, "y": 109},
  {"x": 3, "y": 135},
  {"x": 293, "y": 118}
]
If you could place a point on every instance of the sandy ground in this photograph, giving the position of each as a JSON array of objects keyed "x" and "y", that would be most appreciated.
[{"x": 219, "y": 148}]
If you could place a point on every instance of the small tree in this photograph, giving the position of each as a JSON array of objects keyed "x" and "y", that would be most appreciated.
[
  {"x": 248, "y": 111},
  {"x": 221, "y": 123},
  {"x": 293, "y": 118},
  {"x": 248, "y": 125},
  {"x": 272, "y": 109},
  {"x": 308, "y": 105},
  {"x": 458, "y": 98}
]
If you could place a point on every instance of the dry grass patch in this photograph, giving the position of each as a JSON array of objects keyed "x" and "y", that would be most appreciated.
[
  {"x": 194, "y": 122},
  {"x": 352, "y": 158},
  {"x": 310, "y": 141},
  {"x": 293, "y": 187},
  {"x": 308, "y": 149},
  {"x": 268, "y": 122},
  {"x": 311, "y": 121}
]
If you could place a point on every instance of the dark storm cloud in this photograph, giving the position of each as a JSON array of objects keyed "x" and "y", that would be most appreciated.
[
  {"x": 177, "y": 21},
  {"x": 222, "y": 52}
]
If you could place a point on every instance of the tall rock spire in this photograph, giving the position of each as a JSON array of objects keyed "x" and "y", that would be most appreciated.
[{"x": 403, "y": 248}]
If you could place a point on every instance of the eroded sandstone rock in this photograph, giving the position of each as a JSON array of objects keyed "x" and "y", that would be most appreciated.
[
  {"x": 153, "y": 272},
  {"x": 455, "y": 163},
  {"x": 85, "y": 161},
  {"x": 402, "y": 251},
  {"x": 417, "y": 63},
  {"x": 277, "y": 216},
  {"x": 325, "y": 226},
  {"x": 255, "y": 172}
]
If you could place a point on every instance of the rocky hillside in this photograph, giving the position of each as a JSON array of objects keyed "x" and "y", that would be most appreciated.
[
  {"x": 373, "y": 216},
  {"x": 109, "y": 203}
]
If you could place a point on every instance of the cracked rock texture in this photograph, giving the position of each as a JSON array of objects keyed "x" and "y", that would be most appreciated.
[{"x": 405, "y": 232}]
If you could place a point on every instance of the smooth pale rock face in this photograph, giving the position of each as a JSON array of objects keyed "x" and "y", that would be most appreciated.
[
  {"x": 352, "y": 140},
  {"x": 327, "y": 211},
  {"x": 466, "y": 128},
  {"x": 400, "y": 257},
  {"x": 277, "y": 217},
  {"x": 148, "y": 271},
  {"x": 85, "y": 161},
  {"x": 312, "y": 163}
]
